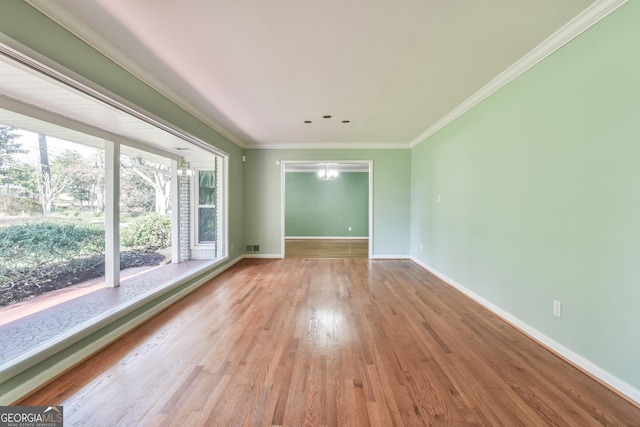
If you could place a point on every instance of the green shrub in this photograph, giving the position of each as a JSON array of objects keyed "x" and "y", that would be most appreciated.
[
  {"x": 36, "y": 250},
  {"x": 19, "y": 206},
  {"x": 147, "y": 233}
]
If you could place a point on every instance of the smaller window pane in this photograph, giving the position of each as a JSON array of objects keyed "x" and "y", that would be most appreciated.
[
  {"x": 207, "y": 225},
  {"x": 207, "y": 187}
]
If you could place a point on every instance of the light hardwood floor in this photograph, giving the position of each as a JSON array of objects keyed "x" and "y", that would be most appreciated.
[
  {"x": 326, "y": 248},
  {"x": 351, "y": 342}
]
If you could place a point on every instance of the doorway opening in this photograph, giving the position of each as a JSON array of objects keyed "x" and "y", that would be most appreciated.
[{"x": 327, "y": 209}]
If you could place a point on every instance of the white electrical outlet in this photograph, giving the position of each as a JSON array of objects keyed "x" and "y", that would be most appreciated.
[
  {"x": 349, "y": 228},
  {"x": 438, "y": 198},
  {"x": 557, "y": 308},
  {"x": 420, "y": 248}
]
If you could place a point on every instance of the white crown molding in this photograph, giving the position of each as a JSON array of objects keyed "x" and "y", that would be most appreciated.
[
  {"x": 330, "y": 145},
  {"x": 85, "y": 33},
  {"x": 619, "y": 386},
  {"x": 585, "y": 20}
]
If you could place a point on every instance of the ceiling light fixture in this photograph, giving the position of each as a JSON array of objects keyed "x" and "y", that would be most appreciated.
[
  {"x": 327, "y": 174},
  {"x": 346, "y": 121},
  {"x": 307, "y": 121},
  {"x": 326, "y": 117}
]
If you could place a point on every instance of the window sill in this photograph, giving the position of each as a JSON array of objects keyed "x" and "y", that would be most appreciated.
[{"x": 15, "y": 366}]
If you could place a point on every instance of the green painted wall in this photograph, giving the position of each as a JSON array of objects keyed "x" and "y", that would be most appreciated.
[
  {"x": 391, "y": 196},
  {"x": 317, "y": 208},
  {"x": 539, "y": 192},
  {"x": 539, "y": 185}
]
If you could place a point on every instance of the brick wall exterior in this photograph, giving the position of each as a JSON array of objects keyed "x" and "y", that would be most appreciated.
[{"x": 185, "y": 217}]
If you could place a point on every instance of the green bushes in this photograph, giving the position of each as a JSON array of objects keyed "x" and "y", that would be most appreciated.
[
  {"x": 38, "y": 250},
  {"x": 40, "y": 257},
  {"x": 147, "y": 233}
]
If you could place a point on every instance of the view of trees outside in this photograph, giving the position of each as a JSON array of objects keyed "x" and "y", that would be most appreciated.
[
  {"x": 145, "y": 186},
  {"x": 52, "y": 202}
]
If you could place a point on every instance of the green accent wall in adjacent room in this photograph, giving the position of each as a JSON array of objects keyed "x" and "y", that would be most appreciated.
[
  {"x": 391, "y": 196},
  {"x": 530, "y": 197},
  {"x": 317, "y": 208},
  {"x": 534, "y": 196}
]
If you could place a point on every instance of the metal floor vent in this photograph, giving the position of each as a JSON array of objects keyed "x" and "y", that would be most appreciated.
[{"x": 252, "y": 248}]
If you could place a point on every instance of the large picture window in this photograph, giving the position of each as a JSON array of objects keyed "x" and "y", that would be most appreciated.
[{"x": 96, "y": 211}]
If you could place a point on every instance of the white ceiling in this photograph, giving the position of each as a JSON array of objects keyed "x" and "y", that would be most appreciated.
[{"x": 256, "y": 70}]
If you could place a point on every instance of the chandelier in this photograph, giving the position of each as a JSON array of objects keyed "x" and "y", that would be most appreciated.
[{"x": 327, "y": 174}]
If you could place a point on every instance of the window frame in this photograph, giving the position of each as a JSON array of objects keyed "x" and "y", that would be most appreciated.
[
  {"x": 128, "y": 313},
  {"x": 220, "y": 246}
]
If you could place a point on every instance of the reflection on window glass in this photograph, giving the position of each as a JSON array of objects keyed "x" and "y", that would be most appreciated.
[{"x": 207, "y": 187}]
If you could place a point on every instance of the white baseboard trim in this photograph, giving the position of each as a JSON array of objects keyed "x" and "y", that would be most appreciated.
[
  {"x": 623, "y": 388},
  {"x": 270, "y": 256},
  {"x": 390, "y": 257},
  {"x": 18, "y": 387},
  {"x": 324, "y": 238}
]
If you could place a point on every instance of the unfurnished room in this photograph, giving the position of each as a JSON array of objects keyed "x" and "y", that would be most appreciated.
[{"x": 348, "y": 213}]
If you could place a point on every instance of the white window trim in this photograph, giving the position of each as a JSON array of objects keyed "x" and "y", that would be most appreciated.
[
  {"x": 222, "y": 213},
  {"x": 36, "y": 63}
]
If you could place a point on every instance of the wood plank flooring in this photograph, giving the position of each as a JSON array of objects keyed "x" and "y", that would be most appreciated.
[
  {"x": 350, "y": 342},
  {"x": 327, "y": 248}
]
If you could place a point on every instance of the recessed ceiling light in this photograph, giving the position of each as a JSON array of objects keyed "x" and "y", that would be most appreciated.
[
  {"x": 326, "y": 117},
  {"x": 307, "y": 121},
  {"x": 346, "y": 121},
  {"x": 181, "y": 148}
]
